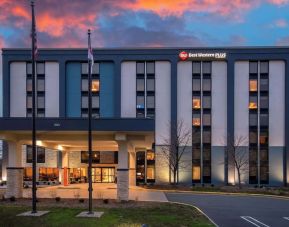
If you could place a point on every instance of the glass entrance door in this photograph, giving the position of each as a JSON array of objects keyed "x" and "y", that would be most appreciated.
[{"x": 103, "y": 174}]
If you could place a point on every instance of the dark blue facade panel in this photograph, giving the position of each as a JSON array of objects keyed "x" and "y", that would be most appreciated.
[
  {"x": 78, "y": 124},
  {"x": 73, "y": 89},
  {"x": 107, "y": 89}
]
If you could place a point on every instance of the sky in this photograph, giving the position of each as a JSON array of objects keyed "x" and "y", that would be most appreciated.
[{"x": 146, "y": 23}]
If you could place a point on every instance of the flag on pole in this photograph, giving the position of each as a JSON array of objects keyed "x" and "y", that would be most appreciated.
[{"x": 90, "y": 54}]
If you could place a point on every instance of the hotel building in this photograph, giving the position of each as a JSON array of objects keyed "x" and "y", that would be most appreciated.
[{"x": 139, "y": 99}]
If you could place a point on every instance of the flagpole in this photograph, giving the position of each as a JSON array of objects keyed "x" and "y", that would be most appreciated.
[
  {"x": 34, "y": 209},
  {"x": 89, "y": 129}
]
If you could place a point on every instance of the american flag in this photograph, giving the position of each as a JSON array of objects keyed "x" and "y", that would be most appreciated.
[
  {"x": 90, "y": 54},
  {"x": 33, "y": 33}
]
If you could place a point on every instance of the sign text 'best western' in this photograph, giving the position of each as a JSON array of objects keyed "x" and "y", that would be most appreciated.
[{"x": 199, "y": 55}]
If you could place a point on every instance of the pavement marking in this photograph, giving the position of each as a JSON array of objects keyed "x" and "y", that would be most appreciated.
[
  {"x": 287, "y": 218},
  {"x": 254, "y": 221}
]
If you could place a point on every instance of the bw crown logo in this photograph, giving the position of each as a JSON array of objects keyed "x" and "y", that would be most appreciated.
[{"x": 183, "y": 55}]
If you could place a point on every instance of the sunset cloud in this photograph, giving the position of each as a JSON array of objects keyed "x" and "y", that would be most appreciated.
[{"x": 136, "y": 22}]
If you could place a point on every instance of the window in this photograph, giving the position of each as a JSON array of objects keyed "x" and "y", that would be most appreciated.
[
  {"x": 95, "y": 68},
  {"x": 196, "y": 173},
  {"x": 253, "y": 85},
  {"x": 206, "y": 119},
  {"x": 95, "y": 85},
  {"x": 140, "y": 68},
  {"x": 150, "y": 102},
  {"x": 264, "y": 119},
  {"x": 95, "y": 157},
  {"x": 140, "y": 102},
  {"x": 206, "y": 84},
  {"x": 253, "y": 119},
  {"x": 264, "y": 67},
  {"x": 40, "y": 68},
  {"x": 196, "y": 67},
  {"x": 264, "y": 84},
  {"x": 206, "y": 67},
  {"x": 263, "y": 137},
  {"x": 264, "y": 102},
  {"x": 196, "y": 136},
  {"x": 48, "y": 174},
  {"x": 84, "y": 85},
  {"x": 29, "y": 102},
  {"x": 196, "y": 84},
  {"x": 29, "y": 84},
  {"x": 84, "y": 102},
  {"x": 150, "y": 173},
  {"x": 253, "y": 67},
  {"x": 95, "y": 101},
  {"x": 150, "y": 84},
  {"x": 150, "y": 67},
  {"x": 206, "y": 102},
  {"x": 253, "y": 102},
  {"x": 29, "y": 68},
  {"x": 40, "y": 154},
  {"x": 253, "y": 137},
  {"x": 29, "y": 154},
  {"x": 196, "y": 102},
  {"x": 196, "y": 154},
  {"x": 196, "y": 120},
  {"x": 27, "y": 173},
  {"x": 206, "y": 136},
  {"x": 84, "y": 68},
  {"x": 140, "y": 85},
  {"x": 40, "y": 102},
  {"x": 150, "y": 155},
  {"x": 40, "y": 84}
]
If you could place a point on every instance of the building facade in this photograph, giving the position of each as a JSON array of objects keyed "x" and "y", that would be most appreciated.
[{"x": 140, "y": 100}]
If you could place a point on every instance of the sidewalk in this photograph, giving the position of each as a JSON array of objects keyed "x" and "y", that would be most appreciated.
[{"x": 100, "y": 190}]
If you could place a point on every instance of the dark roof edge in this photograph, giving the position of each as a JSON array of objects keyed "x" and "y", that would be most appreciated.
[{"x": 157, "y": 48}]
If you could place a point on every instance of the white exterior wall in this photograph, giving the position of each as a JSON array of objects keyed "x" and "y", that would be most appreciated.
[
  {"x": 18, "y": 89},
  {"x": 128, "y": 89},
  {"x": 219, "y": 103},
  {"x": 242, "y": 100},
  {"x": 51, "y": 89},
  {"x": 276, "y": 103},
  {"x": 162, "y": 102},
  {"x": 184, "y": 93}
]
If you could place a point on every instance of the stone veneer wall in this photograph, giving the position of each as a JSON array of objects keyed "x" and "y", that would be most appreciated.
[
  {"x": 15, "y": 182},
  {"x": 122, "y": 185},
  {"x": 51, "y": 158}
]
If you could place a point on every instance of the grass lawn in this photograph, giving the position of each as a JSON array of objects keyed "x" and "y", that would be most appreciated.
[{"x": 159, "y": 214}]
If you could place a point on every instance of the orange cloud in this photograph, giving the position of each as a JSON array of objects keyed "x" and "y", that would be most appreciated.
[
  {"x": 20, "y": 12},
  {"x": 178, "y": 8}
]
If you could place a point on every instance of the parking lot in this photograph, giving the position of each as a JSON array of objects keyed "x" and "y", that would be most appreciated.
[{"x": 239, "y": 210}]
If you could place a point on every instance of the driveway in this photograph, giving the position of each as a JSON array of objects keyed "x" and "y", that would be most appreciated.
[
  {"x": 239, "y": 210},
  {"x": 100, "y": 190}
]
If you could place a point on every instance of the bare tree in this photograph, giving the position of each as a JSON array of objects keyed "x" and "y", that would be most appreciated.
[
  {"x": 175, "y": 148},
  {"x": 238, "y": 158}
]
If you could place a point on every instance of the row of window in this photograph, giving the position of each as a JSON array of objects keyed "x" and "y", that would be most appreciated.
[
  {"x": 108, "y": 158},
  {"x": 145, "y": 166},
  {"x": 201, "y": 122},
  {"x": 145, "y": 89},
  {"x": 40, "y": 154},
  {"x": 40, "y": 89},
  {"x": 258, "y": 122}
]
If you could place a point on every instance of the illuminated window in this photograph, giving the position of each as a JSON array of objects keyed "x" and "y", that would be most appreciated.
[
  {"x": 253, "y": 102},
  {"x": 196, "y": 120},
  {"x": 263, "y": 137},
  {"x": 95, "y": 85},
  {"x": 253, "y": 85},
  {"x": 150, "y": 155},
  {"x": 196, "y": 173},
  {"x": 196, "y": 102},
  {"x": 150, "y": 172}
]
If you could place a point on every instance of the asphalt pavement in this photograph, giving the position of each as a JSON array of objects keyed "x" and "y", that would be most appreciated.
[{"x": 238, "y": 210}]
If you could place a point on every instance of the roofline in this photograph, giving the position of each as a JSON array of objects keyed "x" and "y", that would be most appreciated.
[{"x": 155, "y": 48}]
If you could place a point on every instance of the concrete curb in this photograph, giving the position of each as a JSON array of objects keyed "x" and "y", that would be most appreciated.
[
  {"x": 221, "y": 193},
  {"x": 184, "y": 204}
]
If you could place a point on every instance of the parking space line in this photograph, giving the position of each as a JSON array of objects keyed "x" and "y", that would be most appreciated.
[
  {"x": 287, "y": 218},
  {"x": 254, "y": 221}
]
